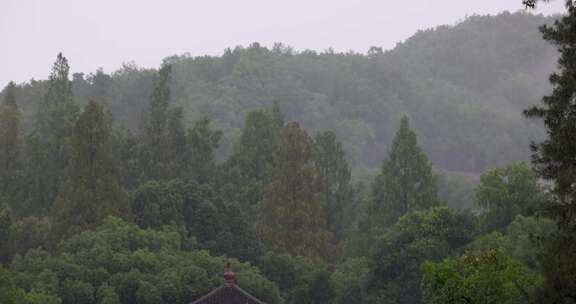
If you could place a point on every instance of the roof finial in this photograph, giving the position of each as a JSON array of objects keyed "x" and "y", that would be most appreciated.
[{"x": 229, "y": 276}]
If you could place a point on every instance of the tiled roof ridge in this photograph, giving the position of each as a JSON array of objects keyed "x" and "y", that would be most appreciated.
[
  {"x": 251, "y": 297},
  {"x": 224, "y": 287}
]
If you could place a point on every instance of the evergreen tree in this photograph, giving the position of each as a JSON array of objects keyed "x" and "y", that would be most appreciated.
[
  {"x": 9, "y": 139},
  {"x": 292, "y": 215},
  {"x": 335, "y": 172},
  {"x": 47, "y": 147},
  {"x": 406, "y": 182},
  {"x": 91, "y": 190},
  {"x": 554, "y": 159},
  {"x": 58, "y": 110}
]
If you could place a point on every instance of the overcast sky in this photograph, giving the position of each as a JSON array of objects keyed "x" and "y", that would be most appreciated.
[{"x": 106, "y": 33}]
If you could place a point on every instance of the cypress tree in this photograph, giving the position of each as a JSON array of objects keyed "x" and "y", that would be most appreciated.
[
  {"x": 406, "y": 182},
  {"x": 91, "y": 190},
  {"x": 292, "y": 215}
]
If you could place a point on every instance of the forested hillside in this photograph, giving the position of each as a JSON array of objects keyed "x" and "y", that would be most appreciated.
[
  {"x": 138, "y": 187},
  {"x": 463, "y": 86}
]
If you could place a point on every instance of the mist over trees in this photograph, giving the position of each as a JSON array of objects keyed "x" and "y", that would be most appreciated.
[
  {"x": 464, "y": 87},
  {"x": 388, "y": 177}
]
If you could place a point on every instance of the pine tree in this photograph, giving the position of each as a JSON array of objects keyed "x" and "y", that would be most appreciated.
[
  {"x": 47, "y": 146},
  {"x": 292, "y": 215},
  {"x": 406, "y": 182},
  {"x": 335, "y": 172},
  {"x": 91, "y": 190},
  {"x": 9, "y": 137},
  {"x": 555, "y": 159}
]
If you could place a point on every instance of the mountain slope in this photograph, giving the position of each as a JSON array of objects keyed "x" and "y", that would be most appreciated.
[{"x": 463, "y": 86}]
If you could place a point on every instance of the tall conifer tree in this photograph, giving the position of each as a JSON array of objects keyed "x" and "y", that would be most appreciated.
[
  {"x": 91, "y": 190},
  {"x": 292, "y": 215},
  {"x": 406, "y": 182},
  {"x": 555, "y": 159},
  {"x": 47, "y": 147}
]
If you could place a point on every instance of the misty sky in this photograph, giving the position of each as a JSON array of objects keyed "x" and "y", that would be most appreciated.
[{"x": 106, "y": 33}]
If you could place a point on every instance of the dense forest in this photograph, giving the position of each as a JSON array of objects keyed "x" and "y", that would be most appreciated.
[
  {"x": 396, "y": 176},
  {"x": 464, "y": 88}
]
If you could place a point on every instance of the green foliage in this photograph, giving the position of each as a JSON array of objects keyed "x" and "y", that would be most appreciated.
[
  {"x": 406, "y": 182},
  {"x": 126, "y": 150},
  {"x": 292, "y": 216},
  {"x": 9, "y": 140},
  {"x": 221, "y": 227},
  {"x": 336, "y": 175},
  {"x": 46, "y": 148},
  {"x": 559, "y": 269},
  {"x": 203, "y": 143},
  {"x": 457, "y": 189},
  {"x": 249, "y": 169},
  {"x": 318, "y": 290},
  {"x": 553, "y": 158},
  {"x": 10, "y": 294},
  {"x": 121, "y": 263},
  {"x": 30, "y": 233},
  {"x": 489, "y": 277},
  {"x": 524, "y": 240},
  {"x": 287, "y": 271},
  {"x": 164, "y": 138},
  {"x": 349, "y": 279},
  {"x": 301, "y": 280},
  {"x": 91, "y": 191},
  {"x": 5, "y": 234},
  {"x": 295, "y": 190},
  {"x": 466, "y": 121},
  {"x": 156, "y": 204},
  {"x": 506, "y": 192},
  {"x": 395, "y": 275}
]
